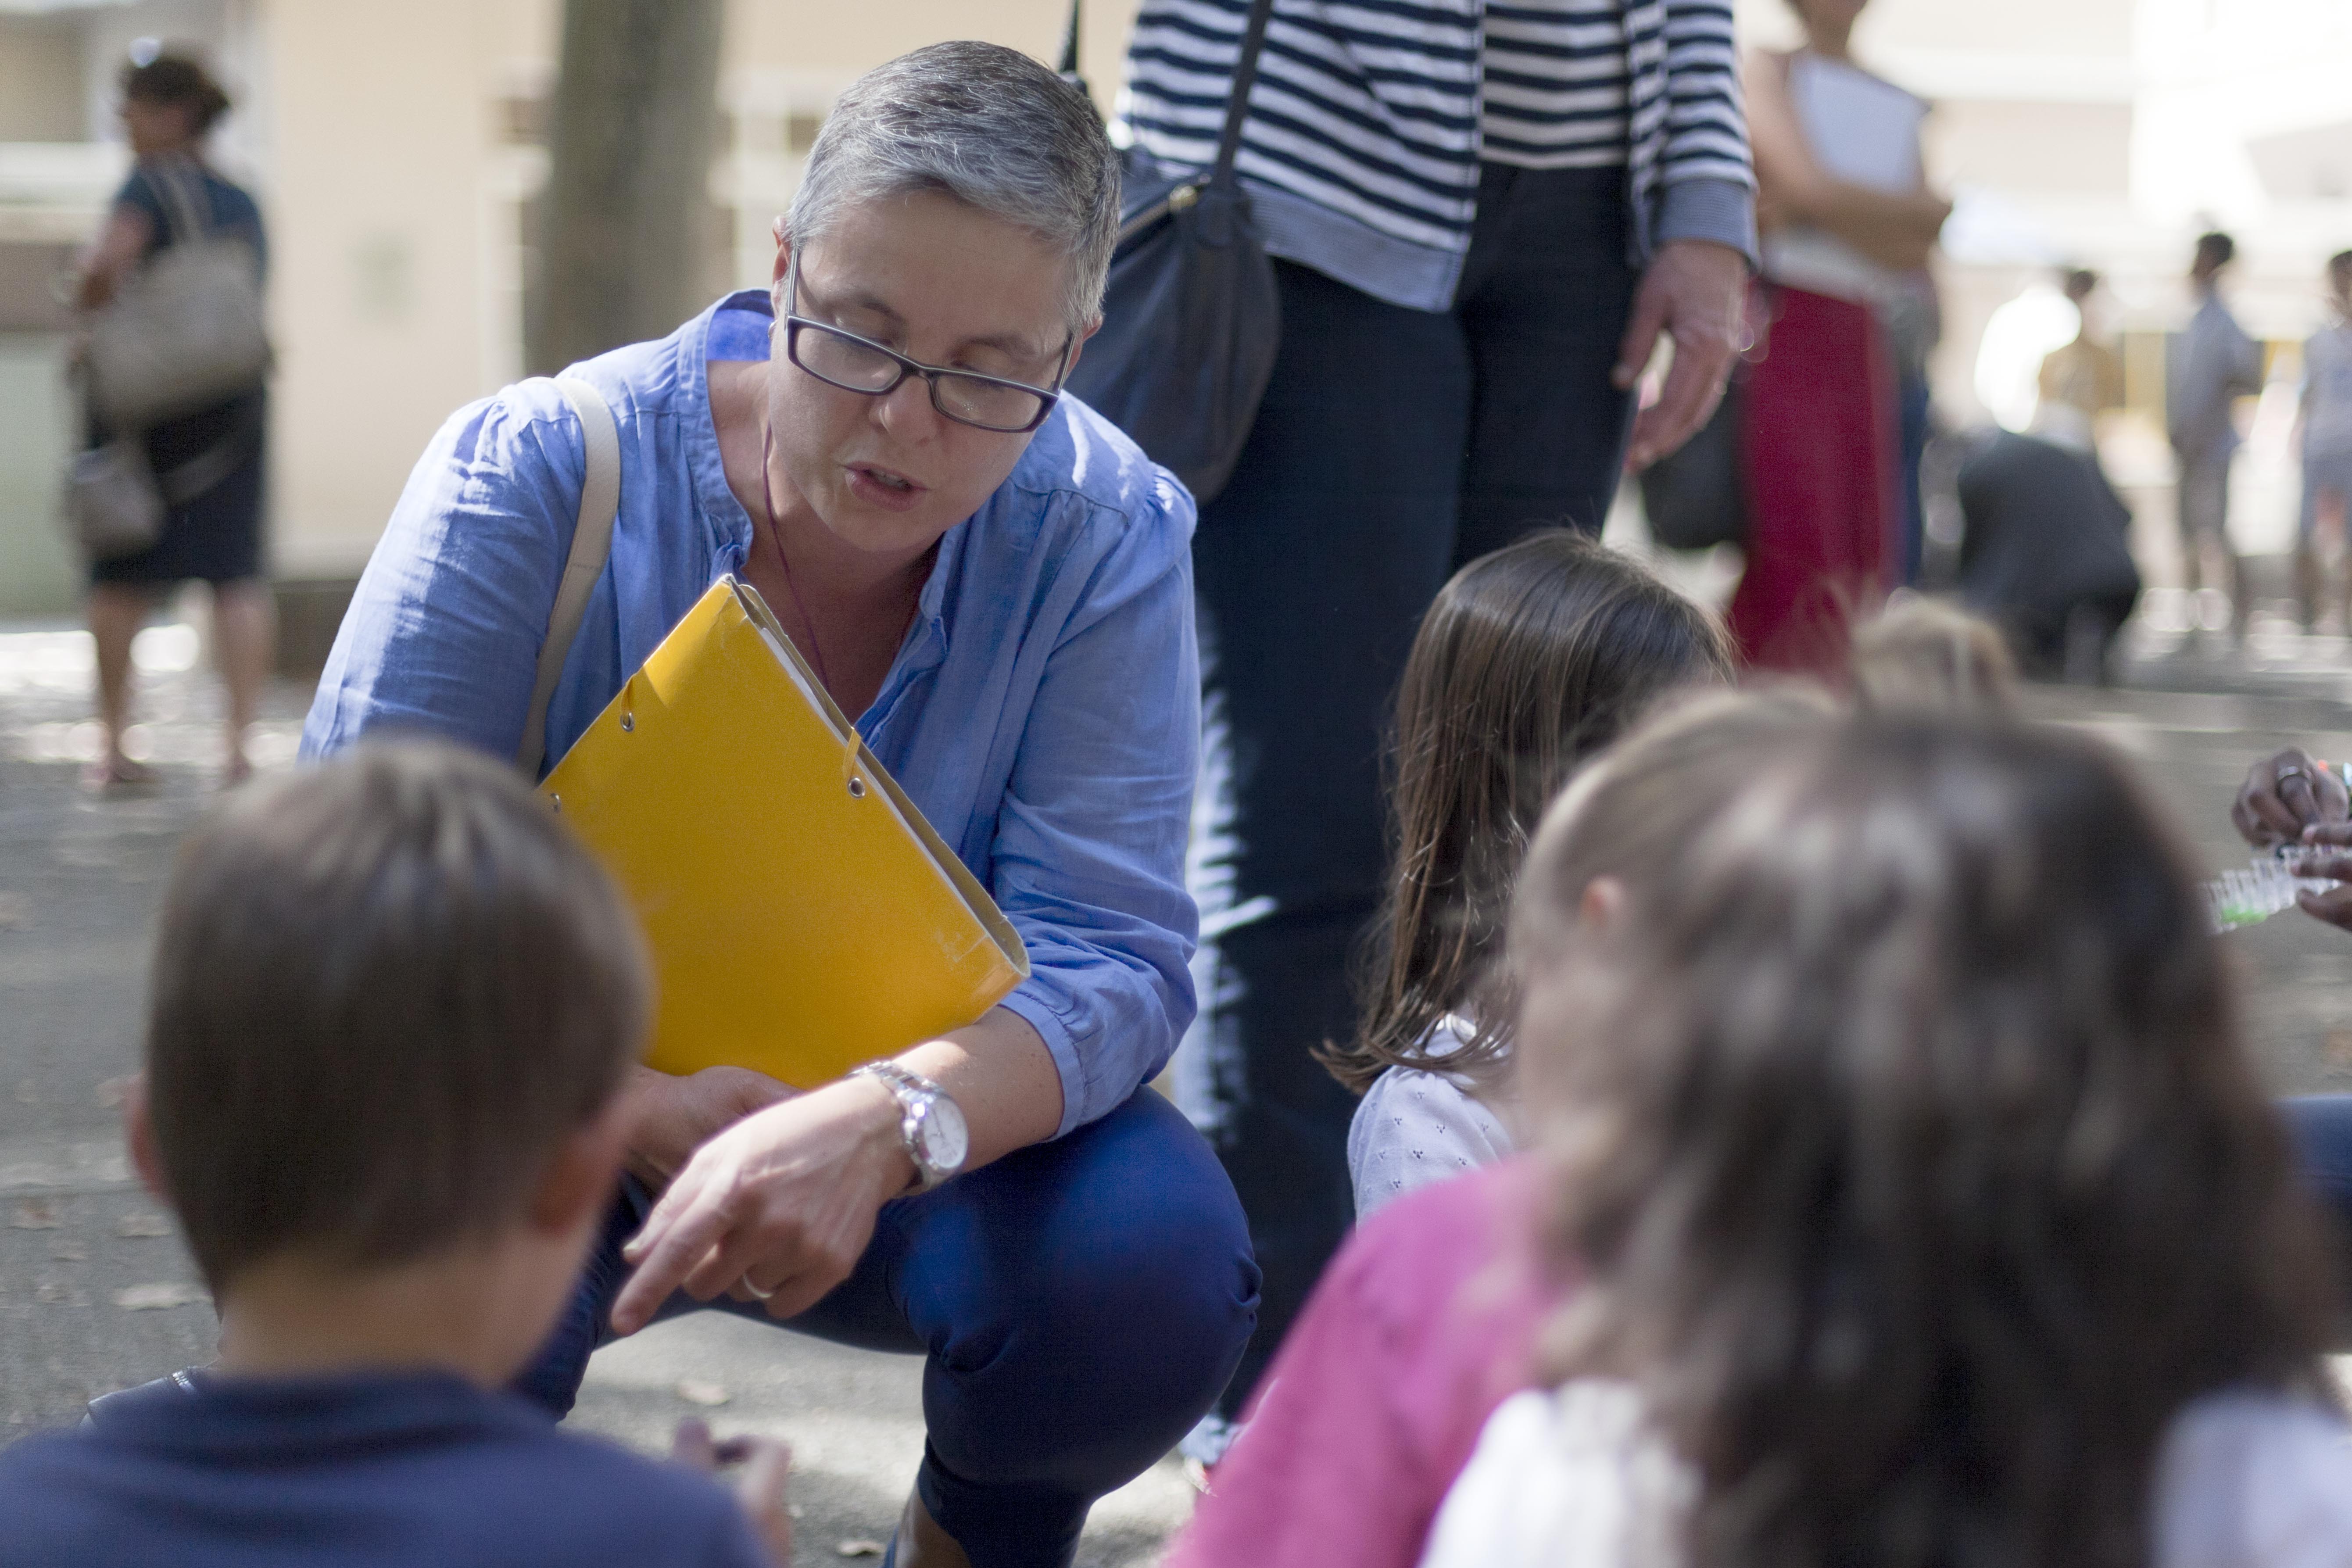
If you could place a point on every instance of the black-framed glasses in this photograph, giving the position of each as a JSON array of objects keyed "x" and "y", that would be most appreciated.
[{"x": 859, "y": 364}]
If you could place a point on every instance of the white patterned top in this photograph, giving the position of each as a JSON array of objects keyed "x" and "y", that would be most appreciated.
[
  {"x": 1415, "y": 1127},
  {"x": 1575, "y": 1479}
]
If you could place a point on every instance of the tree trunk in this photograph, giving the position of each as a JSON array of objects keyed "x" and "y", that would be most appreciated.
[{"x": 627, "y": 210}]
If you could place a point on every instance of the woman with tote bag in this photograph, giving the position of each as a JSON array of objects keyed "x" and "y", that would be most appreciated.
[{"x": 201, "y": 466}]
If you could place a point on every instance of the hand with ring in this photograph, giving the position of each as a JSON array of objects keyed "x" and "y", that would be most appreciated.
[
  {"x": 789, "y": 1195},
  {"x": 2285, "y": 795}
]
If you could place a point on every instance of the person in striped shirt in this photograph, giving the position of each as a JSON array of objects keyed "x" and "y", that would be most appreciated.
[{"x": 1484, "y": 215}]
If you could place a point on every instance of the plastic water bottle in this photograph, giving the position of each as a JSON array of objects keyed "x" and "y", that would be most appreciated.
[{"x": 2269, "y": 884}]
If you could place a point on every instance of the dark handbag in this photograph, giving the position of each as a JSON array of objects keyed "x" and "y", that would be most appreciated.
[
  {"x": 1695, "y": 495},
  {"x": 1191, "y": 317}
]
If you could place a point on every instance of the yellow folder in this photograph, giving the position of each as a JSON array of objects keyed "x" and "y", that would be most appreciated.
[{"x": 803, "y": 917}]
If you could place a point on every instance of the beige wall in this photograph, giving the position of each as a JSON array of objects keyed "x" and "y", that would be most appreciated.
[
  {"x": 374, "y": 208},
  {"x": 830, "y": 36},
  {"x": 40, "y": 80}
]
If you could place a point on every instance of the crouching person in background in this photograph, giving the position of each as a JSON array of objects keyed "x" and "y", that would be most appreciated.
[{"x": 393, "y": 1006}]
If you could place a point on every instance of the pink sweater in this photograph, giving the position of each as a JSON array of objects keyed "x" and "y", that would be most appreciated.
[{"x": 1423, "y": 1324}]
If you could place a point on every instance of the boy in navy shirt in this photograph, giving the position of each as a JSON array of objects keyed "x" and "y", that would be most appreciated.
[{"x": 392, "y": 1004}]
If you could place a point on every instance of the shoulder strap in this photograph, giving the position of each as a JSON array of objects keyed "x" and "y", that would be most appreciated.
[
  {"x": 1229, "y": 142},
  {"x": 591, "y": 542},
  {"x": 186, "y": 214}
]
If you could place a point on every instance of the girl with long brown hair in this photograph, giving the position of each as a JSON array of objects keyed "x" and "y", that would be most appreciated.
[
  {"x": 1427, "y": 1319},
  {"x": 1533, "y": 659},
  {"x": 1924, "y": 1204}
]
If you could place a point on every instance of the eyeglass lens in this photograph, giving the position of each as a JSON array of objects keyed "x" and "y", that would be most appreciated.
[{"x": 859, "y": 367}]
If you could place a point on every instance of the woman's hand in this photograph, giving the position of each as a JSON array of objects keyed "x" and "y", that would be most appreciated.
[
  {"x": 674, "y": 1116},
  {"x": 2285, "y": 794},
  {"x": 778, "y": 1207},
  {"x": 2334, "y": 906},
  {"x": 1696, "y": 292}
]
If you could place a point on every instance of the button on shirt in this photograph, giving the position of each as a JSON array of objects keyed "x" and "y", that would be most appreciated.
[{"x": 1042, "y": 711}]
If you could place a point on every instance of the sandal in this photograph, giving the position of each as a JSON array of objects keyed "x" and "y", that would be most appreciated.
[{"x": 110, "y": 775}]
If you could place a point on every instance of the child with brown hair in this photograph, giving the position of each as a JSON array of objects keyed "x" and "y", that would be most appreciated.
[
  {"x": 393, "y": 1004},
  {"x": 1921, "y": 655},
  {"x": 1426, "y": 1320},
  {"x": 1532, "y": 660},
  {"x": 1924, "y": 1204}
]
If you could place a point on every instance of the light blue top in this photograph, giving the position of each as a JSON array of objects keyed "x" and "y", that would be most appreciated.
[{"x": 1043, "y": 710}]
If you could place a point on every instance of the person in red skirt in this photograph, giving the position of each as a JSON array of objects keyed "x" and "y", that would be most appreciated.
[{"x": 1844, "y": 308}]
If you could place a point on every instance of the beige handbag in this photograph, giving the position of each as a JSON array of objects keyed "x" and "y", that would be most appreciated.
[
  {"x": 113, "y": 506},
  {"x": 116, "y": 504},
  {"x": 186, "y": 331}
]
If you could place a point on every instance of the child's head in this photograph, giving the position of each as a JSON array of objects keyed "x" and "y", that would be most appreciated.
[
  {"x": 388, "y": 990},
  {"x": 1532, "y": 660},
  {"x": 1920, "y": 654},
  {"x": 1904, "y": 1137},
  {"x": 2339, "y": 281},
  {"x": 2215, "y": 251}
]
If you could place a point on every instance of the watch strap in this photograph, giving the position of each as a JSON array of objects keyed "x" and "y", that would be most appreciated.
[{"x": 906, "y": 1086}]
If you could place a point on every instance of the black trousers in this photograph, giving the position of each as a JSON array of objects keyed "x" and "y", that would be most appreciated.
[{"x": 1394, "y": 445}]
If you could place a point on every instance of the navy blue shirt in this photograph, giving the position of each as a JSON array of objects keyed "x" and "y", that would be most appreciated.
[
  {"x": 226, "y": 206},
  {"x": 367, "y": 1471}
]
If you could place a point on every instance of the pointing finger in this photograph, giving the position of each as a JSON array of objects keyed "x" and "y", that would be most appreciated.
[{"x": 669, "y": 1250}]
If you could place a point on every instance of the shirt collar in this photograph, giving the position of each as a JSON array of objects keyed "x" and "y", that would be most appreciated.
[{"x": 730, "y": 525}]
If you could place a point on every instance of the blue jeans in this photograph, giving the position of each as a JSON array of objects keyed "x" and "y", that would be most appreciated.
[
  {"x": 1080, "y": 1304},
  {"x": 1912, "y": 403},
  {"x": 2322, "y": 1125},
  {"x": 1392, "y": 447}
]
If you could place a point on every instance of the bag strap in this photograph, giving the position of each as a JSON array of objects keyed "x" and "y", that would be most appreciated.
[
  {"x": 185, "y": 219},
  {"x": 1229, "y": 141},
  {"x": 186, "y": 482},
  {"x": 591, "y": 542}
]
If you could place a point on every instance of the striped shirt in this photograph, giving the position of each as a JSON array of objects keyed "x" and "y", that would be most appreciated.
[
  {"x": 1555, "y": 84},
  {"x": 1370, "y": 119}
]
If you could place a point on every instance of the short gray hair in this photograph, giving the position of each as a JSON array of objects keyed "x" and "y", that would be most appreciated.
[{"x": 987, "y": 125}]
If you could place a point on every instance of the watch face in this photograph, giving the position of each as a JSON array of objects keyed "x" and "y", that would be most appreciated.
[{"x": 944, "y": 1138}]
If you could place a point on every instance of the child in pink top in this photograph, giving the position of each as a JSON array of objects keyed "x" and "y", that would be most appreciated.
[{"x": 1421, "y": 1326}]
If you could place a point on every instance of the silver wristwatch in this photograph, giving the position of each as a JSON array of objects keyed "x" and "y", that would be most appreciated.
[{"x": 930, "y": 1122}]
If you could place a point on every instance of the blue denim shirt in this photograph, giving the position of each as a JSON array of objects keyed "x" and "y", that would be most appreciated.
[{"x": 1043, "y": 710}]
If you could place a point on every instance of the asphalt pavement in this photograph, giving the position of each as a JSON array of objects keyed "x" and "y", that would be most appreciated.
[{"x": 97, "y": 1292}]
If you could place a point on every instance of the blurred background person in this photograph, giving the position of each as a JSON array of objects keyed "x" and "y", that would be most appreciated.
[
  {"x": 170, "y": 104},
  {"x": 1836, "y": 408},
  {"x": 2045, "y": 553},
  {"x": 2209, "y": 365},
  {"x": 2326, "y": 414},
  {"x": 2080, "y": 381}
]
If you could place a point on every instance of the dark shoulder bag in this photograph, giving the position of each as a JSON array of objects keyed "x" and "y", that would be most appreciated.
[
  {"x": 1191, "y": 317},
  {"x": 1695, "y": 495}
]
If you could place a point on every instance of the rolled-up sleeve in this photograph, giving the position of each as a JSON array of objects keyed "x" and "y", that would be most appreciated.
[
  {"x": 1707, "y": 178},
  {"x": 444, "y": 632},
  {"x": 1089, "y": 843}
]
